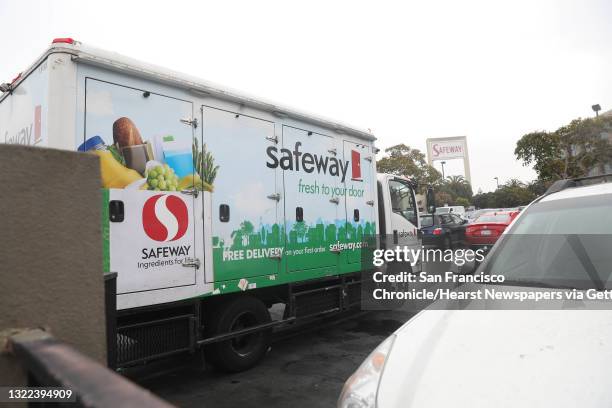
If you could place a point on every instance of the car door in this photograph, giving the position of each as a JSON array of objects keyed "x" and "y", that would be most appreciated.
[
  {"x": 458, "y": 229},
  {"x": 403, "y": 213},
  {"x": 447, "y": 225}
]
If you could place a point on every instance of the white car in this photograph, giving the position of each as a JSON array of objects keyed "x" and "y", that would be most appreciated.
[
  {"x": 511, "y": 358},
  {"x": 455, "y": 209}
]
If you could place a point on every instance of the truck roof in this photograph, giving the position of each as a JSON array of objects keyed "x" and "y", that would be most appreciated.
[{"x": 114, "y": 61}]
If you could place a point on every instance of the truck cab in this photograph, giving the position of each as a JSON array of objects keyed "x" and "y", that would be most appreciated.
[{"x": 398, "y": 212}]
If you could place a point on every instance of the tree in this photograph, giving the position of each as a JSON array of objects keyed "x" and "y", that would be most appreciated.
[
  {"x": 462, "y": 201},
  {"x": 570, "y": 151},
  {"x": 443, "y": 198},
  {"x": 405, "y": 161},
  {"x": 513, "y": 193},
  {"x": 457, "y": 186}
]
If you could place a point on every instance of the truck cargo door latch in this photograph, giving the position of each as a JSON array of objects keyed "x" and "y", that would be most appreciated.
[
  {"x": 190, "y": 122},
  {"x": 192, "y": 192},
  {"x": 272, "y": 139},
  {"x": 275, "y": 197},
  {"x": 333, "y": 151},
  {"x": 334, "y": 200},
  {"x": 370, "y": 202},
  {"x": 368, "y": 158},
  {"x": 335, "y": 251},
  {"x": 191, "y": 263}
]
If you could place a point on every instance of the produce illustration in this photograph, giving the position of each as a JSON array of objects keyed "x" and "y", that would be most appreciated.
[
  {"x": 204, "y": 164},
  {"x": 163, "y": 163}
]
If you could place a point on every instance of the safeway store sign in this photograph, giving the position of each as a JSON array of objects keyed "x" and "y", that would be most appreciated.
[
  {"x": 447, "y": 148},
  {"x": 442, "y": 150}
]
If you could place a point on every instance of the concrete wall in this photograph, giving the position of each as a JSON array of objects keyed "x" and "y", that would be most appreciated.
[{"x": 50, "y": 249}]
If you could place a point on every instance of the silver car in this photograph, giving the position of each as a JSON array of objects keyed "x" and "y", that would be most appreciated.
[{"x": 511, "y": 358}]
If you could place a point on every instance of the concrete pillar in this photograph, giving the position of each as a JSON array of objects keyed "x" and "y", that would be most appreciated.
[{"x": 51, "y": 250}]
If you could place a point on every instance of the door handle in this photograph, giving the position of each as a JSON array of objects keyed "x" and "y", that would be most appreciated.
[
  {"x": 192, "y": 192},
  {"x": 191, "y": 263}
]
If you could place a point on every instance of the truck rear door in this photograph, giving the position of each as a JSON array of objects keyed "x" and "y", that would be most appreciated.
[{"x": 144, "y": 145}]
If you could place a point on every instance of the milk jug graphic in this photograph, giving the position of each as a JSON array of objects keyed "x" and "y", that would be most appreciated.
[{"x": 178, "y": 154}]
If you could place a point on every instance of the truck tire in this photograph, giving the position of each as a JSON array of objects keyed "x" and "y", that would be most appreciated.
[{"x": 243, "y": 352}]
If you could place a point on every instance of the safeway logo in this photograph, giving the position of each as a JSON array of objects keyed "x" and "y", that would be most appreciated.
[
  {"x": 356, "y": 165},
  {"x": 165, "y": 218}
]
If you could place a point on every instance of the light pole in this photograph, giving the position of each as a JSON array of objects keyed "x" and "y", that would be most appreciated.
[
  {"x": 442, "y": 163},
  {"x": 496, "y": 181},
  {"x": 596, "y": 108}
]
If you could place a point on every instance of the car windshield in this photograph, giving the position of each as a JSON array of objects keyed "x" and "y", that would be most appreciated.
[
  {"x": 427, "y": 221},
  {"x": 504, "y": 218},
  {"x": 559, "y": 243}
]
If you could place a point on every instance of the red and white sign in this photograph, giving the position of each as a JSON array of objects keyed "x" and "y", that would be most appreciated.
[
  {"x": 356, "y": 165},
  {"x": 446, "y": 149},
  {"x": 165, "y": 218}
]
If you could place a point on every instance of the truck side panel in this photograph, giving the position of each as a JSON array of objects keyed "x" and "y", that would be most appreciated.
[
  {"x": 245, "y": 216},
  {"x": 23, "y": 113}
]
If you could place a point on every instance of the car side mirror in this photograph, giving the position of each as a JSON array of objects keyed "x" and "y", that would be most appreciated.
[{"x": 431, "y": 200}]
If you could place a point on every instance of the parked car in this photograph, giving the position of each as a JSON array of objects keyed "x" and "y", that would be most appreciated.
[
  {"x": 472, "y": 215},
  {"x": 443, "y": 230},
  {"x": 454, "y": 209},
  {"x": 512, "y": 358},
  {"x": 487, "y": 228}
]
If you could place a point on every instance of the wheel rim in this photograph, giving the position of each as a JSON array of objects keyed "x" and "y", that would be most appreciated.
[{"x": 244, "y": 345}]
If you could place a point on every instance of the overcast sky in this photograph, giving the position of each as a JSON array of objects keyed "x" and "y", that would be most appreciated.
[{"x": 489, "y": 70}]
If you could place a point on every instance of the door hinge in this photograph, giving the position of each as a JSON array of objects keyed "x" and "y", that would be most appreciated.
[
  {"x": 192, "y": 263},
  {"x": 272, "y": 139},
  {"x": 275, "y": 197},
  {"x": 191, "y": 122},
  {"x": 333, "y": 151},
  {"x": 370, "y": 202},
  {"x": 192, "y": 192},
  {"x": 334, "y": 200}
]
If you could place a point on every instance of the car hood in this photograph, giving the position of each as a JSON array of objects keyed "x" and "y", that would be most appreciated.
[{"x": 500, "y": 358}]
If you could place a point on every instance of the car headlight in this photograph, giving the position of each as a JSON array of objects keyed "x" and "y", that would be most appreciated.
[{"x": 361, "y": 388}]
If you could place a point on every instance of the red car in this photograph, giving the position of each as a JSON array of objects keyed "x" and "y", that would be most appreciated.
[{"x": 487, "y": 228}]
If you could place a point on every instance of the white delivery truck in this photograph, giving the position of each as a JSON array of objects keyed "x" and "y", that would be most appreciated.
[{"x": 216, "y": 205}]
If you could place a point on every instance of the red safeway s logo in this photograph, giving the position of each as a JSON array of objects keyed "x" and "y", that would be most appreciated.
[
  {"x": 165, "y": 217},
  {"x": 355, "y": 165}
]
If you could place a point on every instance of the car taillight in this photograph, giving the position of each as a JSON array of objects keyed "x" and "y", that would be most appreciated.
[{"x": 437, "y": 231}]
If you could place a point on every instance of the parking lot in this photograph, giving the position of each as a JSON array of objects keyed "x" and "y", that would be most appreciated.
[{"x": 304, "y": 368}]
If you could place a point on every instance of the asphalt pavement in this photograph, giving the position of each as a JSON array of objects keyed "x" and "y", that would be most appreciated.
[{"x": 305, "y": 367}]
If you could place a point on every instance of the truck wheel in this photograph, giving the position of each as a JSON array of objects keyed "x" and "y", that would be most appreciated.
[{"x": 244, "y": 352}]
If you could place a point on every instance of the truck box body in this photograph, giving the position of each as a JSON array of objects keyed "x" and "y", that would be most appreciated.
[{"x": 208, "y": 192}]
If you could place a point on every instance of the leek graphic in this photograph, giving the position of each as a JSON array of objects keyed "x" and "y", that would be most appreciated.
[{"x": 204, "y": 164}]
